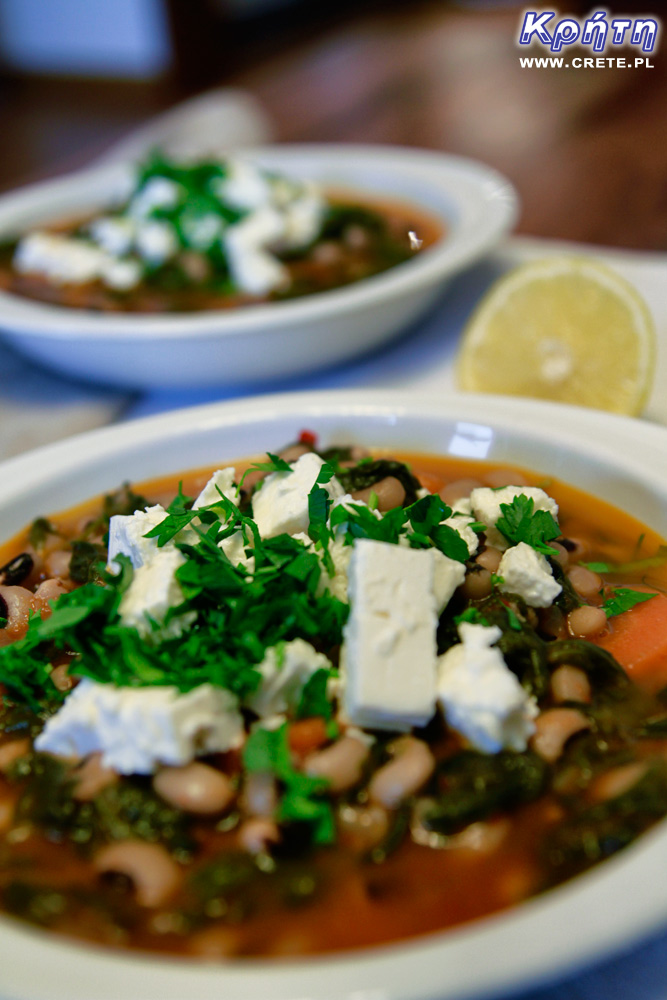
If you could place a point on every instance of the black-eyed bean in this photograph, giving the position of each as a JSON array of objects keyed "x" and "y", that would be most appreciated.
[
  {"x": 57, "y": 563},
  {"x": 363, "y": 827},
  {"x": 260, "y": 794},
  {"x": 61, "y": 677},
  {"x": 48, "y": 591},
  {"x": 569, "y": 683},
  {"x": 153, "y": 872},
  {"x": 12, "y": 751},
  {"x": 477, "y": 584},
  {"x": 195, "y": 788},
  {"x": 91, "y": 778},
  {"x": 409, "y": 770},
  {"x": 489, "y": 559},
  {"x": 458, "y": 489},
  {"x": 389, "y": 491},
  {"x": 16, "y": 603},
  {"x": 618, "y": 780},
  {"x": 14, "y": 572},
  {"x": 562, "y": 556},
  {"x": 341, "y": 764},
  {"x": 554, "y": 728},
  {"x": 258, "y": 834},
  {"x": 586, "y": 621},
  {"x": 586, "y": 583},
  {"x": 504, "y": 477}
]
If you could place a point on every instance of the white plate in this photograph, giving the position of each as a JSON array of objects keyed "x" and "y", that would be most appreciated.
[
  {"x": 609, "y": 908},
  {"x": 475, "y": 204}
]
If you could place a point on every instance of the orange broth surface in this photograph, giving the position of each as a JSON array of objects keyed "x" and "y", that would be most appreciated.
[{"x": 417, "y": 889}]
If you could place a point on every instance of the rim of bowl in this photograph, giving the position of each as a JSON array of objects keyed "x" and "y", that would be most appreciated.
[{"x": 464, "y": 244}]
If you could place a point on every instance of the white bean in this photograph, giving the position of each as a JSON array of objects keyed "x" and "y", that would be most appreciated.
[
  {"x": 340, "y": 764},
  {"x": 410, "y": 769}
]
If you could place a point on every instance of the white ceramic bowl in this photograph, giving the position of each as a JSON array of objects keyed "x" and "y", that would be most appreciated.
[
  {"x": 606, "y": 909},
  {"x": 475, "y": 205}
]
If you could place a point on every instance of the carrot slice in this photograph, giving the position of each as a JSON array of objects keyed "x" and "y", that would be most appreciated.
[
  {"x": 638, "y": 640},
  {"x": 307, "y": 735}
]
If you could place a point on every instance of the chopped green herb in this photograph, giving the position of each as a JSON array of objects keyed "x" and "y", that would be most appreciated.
[
  {"x": 40, "y": 529},
  {"x": 267, "y": 750},
  {"x": 471, "y": 615},
  {"x": 314, "y": 700},
  {"x": 522, "y": 523},
  {"x": 275, "y": 464},
  {"x": 634, "y": 566},
  {"x": 623, "y": 599}
]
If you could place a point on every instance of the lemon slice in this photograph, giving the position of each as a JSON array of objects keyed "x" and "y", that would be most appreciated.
[{"x": 567, "y": 329}]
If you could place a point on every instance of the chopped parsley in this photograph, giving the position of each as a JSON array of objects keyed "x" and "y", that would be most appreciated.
[
  {"x": 520, "y": 522},
  {"x": 623, "y": 599},
  {"x": 634, "y": 566},
  {"x": 267, "y": 751}
]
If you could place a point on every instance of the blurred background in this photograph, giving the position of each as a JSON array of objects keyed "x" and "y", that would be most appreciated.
[{"x": 587, "y": 149}]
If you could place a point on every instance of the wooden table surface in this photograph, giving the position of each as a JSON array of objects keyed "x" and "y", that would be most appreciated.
[{"x": 586, "y": 149}]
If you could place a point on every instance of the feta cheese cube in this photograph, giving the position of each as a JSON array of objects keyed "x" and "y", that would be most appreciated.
[
  {"x": 486, "y": 507},
  {"x": 448, "y": 574},
  {"x": 234, "y": 547},
  {"x": 126, "y": 535},
  {"x": 285, "y": 670},
  {"x": 390, "y": 645},
  {"x": 222, "y": 481},
  {"x": 138, "y": 728},
  {"x": 153, "y": 591},
  {"x": 527, "y": 573},
  {"x": 461, "y": 524},
  {"x": 281, "y": 503},
  {"x": 156, "y": 241},
  {"x": 481, "y": 698}
]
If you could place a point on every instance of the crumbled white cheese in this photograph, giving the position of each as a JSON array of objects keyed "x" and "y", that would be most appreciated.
[
  {"x": 69, "y": 260},
  {"x": 462, "y": 506},
  {"x": 448, "y": 574},
  {"x": 158, "y": 192},
  {"x": 154, "y": 590},
  {"x": 280, "y": 505},
  {"x": 338, "y": 583},
  {"x": 202, "y": 231},
  {"x": 390, "y": 646},
  {"x": 486, "y": 507},
  {"x": 115, "y": 234},
  {"x": 222, "y": 481},
  {"x": 302, "y": 221},
  {"x": 234, "y": 547},
  {"x": 282, "y": 216},
  {"x": 138, "y": 728},
  {"x": 253, "y": 267},
  {"x": 527, "y": 573},
  {"x": 285, "y": 670},
  {"x": 122, "y": 274},
  {"x": 482, "y": 699},
  {"x": 461, "y": 524},
  {"x": 245, "y": 186},
  {"x": 126, "y": 535},
  {"x": 156, "y": 241}
]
